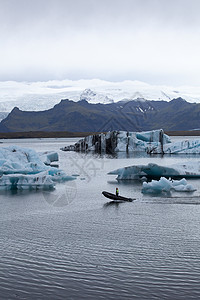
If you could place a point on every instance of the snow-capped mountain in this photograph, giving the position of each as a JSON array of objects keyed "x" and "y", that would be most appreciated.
[
  {"x": 37, "y": 96},
  {"x": 93, "y": 97}
]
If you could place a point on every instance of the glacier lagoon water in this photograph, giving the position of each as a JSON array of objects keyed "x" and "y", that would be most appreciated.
[{"x": 71, "y": 243}]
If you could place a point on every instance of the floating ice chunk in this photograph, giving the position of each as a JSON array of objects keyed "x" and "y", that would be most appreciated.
[
  {"x": 59, "y": 175},
  {"x": 48, "y": 157},
  {"x": 139, "y": 171},
  {"x": 151, "y": 170},
  {"x": 163, "y": 185},
  {"x": 166, "y": 185}
]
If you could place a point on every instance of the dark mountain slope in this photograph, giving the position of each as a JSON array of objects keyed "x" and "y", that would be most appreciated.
[
  {"x": 82, "y": 116},
  {"x": 178, "y": 115}
]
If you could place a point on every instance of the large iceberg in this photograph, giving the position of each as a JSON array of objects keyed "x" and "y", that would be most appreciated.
[
  {"x": 23, "y": 168},
  {"x": 150, "y": 142},
  {"x": 166, "y": 185},
  {"x": 121, "y": 141},
  {"x": 152, "y": 170}
]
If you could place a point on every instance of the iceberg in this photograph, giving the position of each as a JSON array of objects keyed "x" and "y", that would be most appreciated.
[
  {"x": 148, "y": 142},
  {"x": 23, "y": 168},
  {"x": 166, "y": 185},
  {"x": 155, "y": 171},
  {"x": 121, "y": 141}
]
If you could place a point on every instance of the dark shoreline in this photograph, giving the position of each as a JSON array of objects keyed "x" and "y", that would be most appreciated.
[
  {"x": 66, "y": 134},
  {"x": 42, "y": 134},
  {"x": 183, "y": 133}
]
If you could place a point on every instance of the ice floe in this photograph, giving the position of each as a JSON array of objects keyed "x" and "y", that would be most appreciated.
[{"x": 166, "y": 185}]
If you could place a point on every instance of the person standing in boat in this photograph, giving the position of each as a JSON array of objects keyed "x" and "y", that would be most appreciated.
[{"x": 117, "y": 192}]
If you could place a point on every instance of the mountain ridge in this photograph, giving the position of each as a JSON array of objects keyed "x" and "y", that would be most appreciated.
[{"x": 81, "y": 116}]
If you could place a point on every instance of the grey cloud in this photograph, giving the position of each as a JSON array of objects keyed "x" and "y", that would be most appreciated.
[
  {"x": 77, "y": 13},
  {"x": 74, "y": 38}
]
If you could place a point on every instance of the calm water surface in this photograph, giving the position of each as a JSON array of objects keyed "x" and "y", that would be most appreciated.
[{"x": 72, "y": 243}]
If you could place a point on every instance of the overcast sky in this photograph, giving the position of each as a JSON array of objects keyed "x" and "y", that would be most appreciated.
[{"x": 157, "y": 41}]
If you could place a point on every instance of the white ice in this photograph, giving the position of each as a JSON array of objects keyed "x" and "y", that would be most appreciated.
[{"x": 166, "y": 185}]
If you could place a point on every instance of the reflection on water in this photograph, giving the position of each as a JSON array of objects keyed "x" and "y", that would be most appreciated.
[{"x": 113, "y": 203}]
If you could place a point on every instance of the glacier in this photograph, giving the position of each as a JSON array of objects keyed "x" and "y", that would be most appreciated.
[
  {"x": 25, "y": 95},
  {"x": 154, "y": 171},
  {"x": 165, "y": 185},
  {"x": 22, "y": 168}
]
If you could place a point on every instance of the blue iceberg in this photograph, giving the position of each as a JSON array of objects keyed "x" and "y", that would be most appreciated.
[
  {"x": 165, "y": 185},
  {"x": 23, "y": 168},
  {"x": 155, "y": 171}
]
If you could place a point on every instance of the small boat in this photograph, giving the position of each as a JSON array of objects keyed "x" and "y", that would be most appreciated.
[{"x": 116, "y": 198}]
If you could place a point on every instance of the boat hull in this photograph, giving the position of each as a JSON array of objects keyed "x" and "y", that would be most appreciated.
[{"x": 116, "y": 198}]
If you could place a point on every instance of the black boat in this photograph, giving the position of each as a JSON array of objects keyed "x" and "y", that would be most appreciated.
[{"x": 116, "y": 198}]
